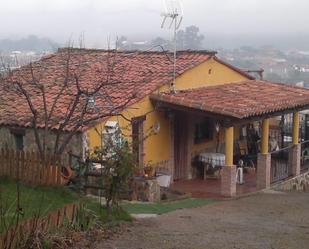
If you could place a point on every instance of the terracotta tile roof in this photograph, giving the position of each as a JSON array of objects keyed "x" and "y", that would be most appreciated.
[
  {"x": 135, "y": 74},
  {"x": 239, "y": 100}
]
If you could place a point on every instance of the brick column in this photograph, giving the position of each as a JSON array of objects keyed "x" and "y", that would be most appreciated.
[
  {"x": 228, "y": 181},
  {"x": 295, "y": 159},
  {"x": 263, "y": 171}
]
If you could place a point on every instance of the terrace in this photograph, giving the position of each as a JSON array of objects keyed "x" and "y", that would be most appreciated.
[{"x": 243, "y": 119}]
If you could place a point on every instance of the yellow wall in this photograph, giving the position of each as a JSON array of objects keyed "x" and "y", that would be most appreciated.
[
  {"x": 200, "y": 76},
  {"x": 157, "y": 147}
]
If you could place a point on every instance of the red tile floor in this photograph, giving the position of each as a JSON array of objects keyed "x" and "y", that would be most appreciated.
[{"x": 210, "y": 188}]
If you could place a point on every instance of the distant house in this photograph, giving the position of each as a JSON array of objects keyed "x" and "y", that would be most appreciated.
[{"x": 212, "y": 103}]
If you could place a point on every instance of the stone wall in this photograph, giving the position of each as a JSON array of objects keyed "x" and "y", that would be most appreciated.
[
  {"x": 298, "y": 183},
  {"x": 146, "y": 190},
  {"x": 7, "y": 140}
]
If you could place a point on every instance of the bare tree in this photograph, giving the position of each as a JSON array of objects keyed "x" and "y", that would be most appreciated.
[{"x": 66, "y": 93}]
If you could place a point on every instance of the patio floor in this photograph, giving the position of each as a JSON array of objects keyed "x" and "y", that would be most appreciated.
[{"x": 210, "y": 188}]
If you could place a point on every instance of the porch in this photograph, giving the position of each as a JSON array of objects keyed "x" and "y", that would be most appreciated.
[
  {"x": 280, "y": 171},
  {"x": 200, "y": 188},
  {"x": 233, "y": 111}
]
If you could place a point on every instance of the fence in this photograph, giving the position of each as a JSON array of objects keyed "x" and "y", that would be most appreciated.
[
  {"x": 26, "y": 228},
  {"x": 30, "y": 168},
  {"x": 304, "y": 162},
  {"x": 280, "y": 165},
  {"x": 282, "y": 132}
]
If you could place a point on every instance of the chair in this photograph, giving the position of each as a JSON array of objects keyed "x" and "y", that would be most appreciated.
[{"x": 244, "y": 155}]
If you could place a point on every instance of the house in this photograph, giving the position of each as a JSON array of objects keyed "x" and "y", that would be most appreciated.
[{"x": 212, "y": 103}]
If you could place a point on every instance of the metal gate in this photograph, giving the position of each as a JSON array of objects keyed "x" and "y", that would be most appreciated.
[{"x": 280, "y": 165}]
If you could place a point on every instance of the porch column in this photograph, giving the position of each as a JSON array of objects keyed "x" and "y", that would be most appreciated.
[
  {"x": 229, "y": 146},
  {"x": 295, "y": 152},
  {"x": 295, "y": 127},
  {"x": 265, "y": 136},
  {"x": 228, "y": 173},
  {"x": 264, "y": 158}
]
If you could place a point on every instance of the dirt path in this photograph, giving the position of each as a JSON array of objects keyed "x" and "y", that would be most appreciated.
[{"x": 273, "y": 221}]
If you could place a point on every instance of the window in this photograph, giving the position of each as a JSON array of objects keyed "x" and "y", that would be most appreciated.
[
  {"x": 203, "y": 131},
  {"x": 112, "y": 134},
  {"x": 19, "y": 141},
  {"x": 18, "y": 134}
]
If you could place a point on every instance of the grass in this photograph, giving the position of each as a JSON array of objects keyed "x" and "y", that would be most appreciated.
[
  {"x": 161, "y": 208},
  {"x": 116, "y": 216},
  {"x": 33, "y": 201},
  {"x": 40, "y": 201}
]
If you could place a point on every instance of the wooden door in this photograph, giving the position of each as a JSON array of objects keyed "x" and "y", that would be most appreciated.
[
  {"x": 138, "y": 140},
  {"x": 181, "y": 145}
]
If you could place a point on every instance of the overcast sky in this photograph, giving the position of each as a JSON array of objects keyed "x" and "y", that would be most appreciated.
[{"x": 98, "y": 19}]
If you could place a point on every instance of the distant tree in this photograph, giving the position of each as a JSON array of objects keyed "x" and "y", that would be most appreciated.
[
  {"x": 161, "y": 42},
  {"x": 181, "y": 38},
  {"x": 190, "y": 38}
]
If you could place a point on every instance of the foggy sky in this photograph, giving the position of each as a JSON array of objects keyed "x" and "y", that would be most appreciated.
[{"x": 99, "y": 19}]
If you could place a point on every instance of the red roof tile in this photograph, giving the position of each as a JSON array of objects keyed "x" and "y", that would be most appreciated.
[
  {"x": 239, "y": 100},
  {"x": 135, "y": 74}
]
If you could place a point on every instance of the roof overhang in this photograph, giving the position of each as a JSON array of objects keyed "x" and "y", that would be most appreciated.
[{"x": 247, "y": 100}]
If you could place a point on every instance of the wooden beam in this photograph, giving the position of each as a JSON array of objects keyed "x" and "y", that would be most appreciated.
[{"x": 226, "y": 120}]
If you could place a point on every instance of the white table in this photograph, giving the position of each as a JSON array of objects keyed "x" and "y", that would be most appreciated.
[{"x": 213, "y": 159}]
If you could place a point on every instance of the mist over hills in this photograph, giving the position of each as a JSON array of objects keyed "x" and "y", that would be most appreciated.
[
  {"x": 283, "y": 41},
  {"x": 213, "y": 41},
  {"x": 29, "y": 43}
]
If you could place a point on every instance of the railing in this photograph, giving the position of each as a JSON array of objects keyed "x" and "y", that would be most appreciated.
[
  {"x": 304, "y": 159},
  {"x": 280, "y": 165}
]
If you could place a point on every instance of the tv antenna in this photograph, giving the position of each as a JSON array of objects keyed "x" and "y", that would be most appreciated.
[{"x": 173, "y": 11}]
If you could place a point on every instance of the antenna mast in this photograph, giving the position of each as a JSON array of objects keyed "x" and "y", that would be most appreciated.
[{"x": 173, "y": 11}]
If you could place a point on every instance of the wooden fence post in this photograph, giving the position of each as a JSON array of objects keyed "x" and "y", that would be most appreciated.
[
  {"x": 58, "y": 170},
  {"x": 22, "y": 166},
  {"x": 1, "y": 166},
  {"x": 38, "y": 180},
  {"x": 30, "y": 168}
]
